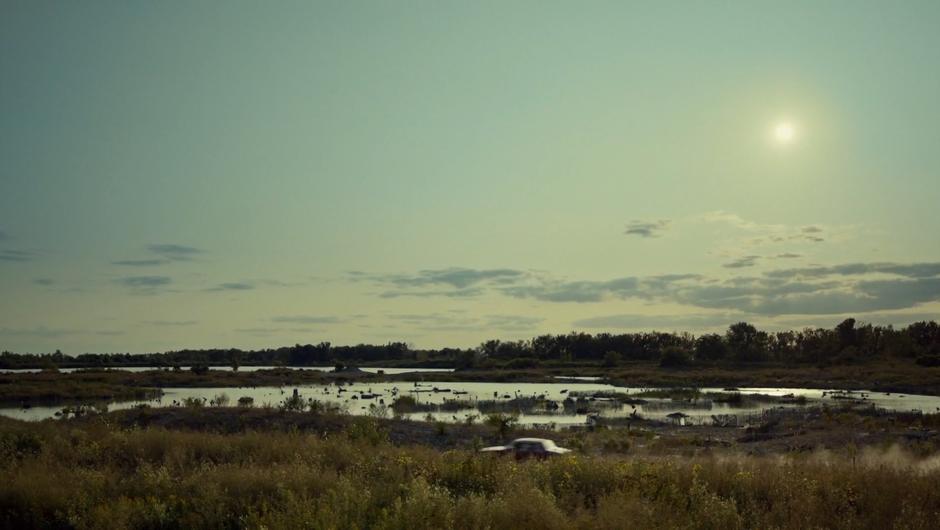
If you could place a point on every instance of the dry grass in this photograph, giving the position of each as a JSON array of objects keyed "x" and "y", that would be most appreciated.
[{"x": 92, "y": 474}]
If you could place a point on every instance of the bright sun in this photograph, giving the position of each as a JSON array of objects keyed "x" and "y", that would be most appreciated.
[{"x": 784, "y": 132}]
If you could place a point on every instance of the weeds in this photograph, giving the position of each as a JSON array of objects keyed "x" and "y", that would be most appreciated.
[
  {"x": 90, "y": 475},
  {"x": 293, "y": 403},
  {"x": 502, "y": 423},
  {"x": 193, "y": 402}
]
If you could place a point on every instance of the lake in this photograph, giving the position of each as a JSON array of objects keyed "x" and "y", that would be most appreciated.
[
  {"x": 375, "y": 370},
  {"x": 357, "y": 398}
]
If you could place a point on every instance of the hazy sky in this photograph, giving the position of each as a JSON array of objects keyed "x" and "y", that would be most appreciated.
[{"x": 253, "y": 174}]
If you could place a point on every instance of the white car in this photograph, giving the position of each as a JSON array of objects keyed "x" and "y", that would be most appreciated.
[{"x": 522, "y": 448}]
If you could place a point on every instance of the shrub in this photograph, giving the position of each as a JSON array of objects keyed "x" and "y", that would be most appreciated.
[
  {"x": 674, "y": 357},
  {"x": 440, "y": 428},
  {"x": 404, "y": 404},
  {"x": 378, "y": 411},
  {"x": 522, "y": 363},
  {"x": 293, "y": 403},
  {"x": 502, "y": 423},
  {"x": 611, "y": 359},
  {"x": 368, "y": 430},
  {"x": 193, "y": 402}
]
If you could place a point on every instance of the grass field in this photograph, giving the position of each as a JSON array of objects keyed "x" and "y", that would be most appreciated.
[{"x": 140, "y": 469}]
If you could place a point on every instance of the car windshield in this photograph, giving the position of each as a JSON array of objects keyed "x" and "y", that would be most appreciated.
[{"x": 532, "y": 445}]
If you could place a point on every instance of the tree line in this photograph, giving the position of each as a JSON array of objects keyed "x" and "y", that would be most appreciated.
[{"x": 849, "y": 341}]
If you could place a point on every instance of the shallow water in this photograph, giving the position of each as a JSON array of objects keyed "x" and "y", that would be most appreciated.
[
  {"x": 699, "y": 411},
  {"x": 229, "y": 369}
]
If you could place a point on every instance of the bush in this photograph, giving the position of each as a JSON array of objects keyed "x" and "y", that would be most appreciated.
[
  {"x": 378, "y": 411},
  {"x": 611, "y": 359},
  {"x": 193, "y": 402},
  {"x": 440, "y": 428},
  {"x": 502, "y": 423},
  {"x": 674, "y": 357},
  {"x": 404, "y": 404},
  {"x": 293, "y": 403},
  {"x": 522, "y": 363},
  {"x": 368, "y": 430}
]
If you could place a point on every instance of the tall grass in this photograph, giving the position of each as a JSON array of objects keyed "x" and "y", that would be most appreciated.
[{"x": 93, "y": 475}]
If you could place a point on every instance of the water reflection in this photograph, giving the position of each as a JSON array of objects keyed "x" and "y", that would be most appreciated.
[{"x": 456, "y": 401}]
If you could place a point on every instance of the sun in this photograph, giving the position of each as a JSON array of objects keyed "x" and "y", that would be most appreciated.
[{"x": 784, "y": 132}]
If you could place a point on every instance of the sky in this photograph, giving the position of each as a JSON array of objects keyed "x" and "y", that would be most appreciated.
[{"x": 248, "y": 174}]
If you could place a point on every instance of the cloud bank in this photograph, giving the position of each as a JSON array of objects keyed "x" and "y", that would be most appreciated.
[{"x": 821, "y": 290}]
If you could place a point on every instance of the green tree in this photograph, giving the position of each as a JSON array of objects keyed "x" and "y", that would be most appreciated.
[
  {"x": 710, "y": 347},
  {"x": 746, "y": 343}
]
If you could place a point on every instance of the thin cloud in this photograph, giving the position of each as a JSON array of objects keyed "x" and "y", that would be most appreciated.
[
  {"x": 175, "y": 252},
  {"x": 908, "y": 270},
  {"x": 12, "y": 255},
  {"x": 279, "y": 283},
  {"x": 638, "y": 321},
  {"x": 37, "y": 332},
  {"x": 257, "y": 331},
  {"x": 830, "y": 321},
  {"x": 647, "y": 228},
  {"x": 307, "y": 319},
  {"x": 455, "y": 322},
  {"x": 650, "y": 287},
  {"x": 746, "y": 261},
  {"x": 141, "y": 262},
  {"x": 457, "y": 293},
  {"x": 759, "y": 234},
  {"x": 459, "y": 278},
  {"x": 454, "y": 282},
  {"x": 170, "y": 323},
  {"x": 512, "y": 322},
  {"x": 145, "y": 284},
  {"x": 166, "y": 253},
  {"x": 232, "y": 286}
]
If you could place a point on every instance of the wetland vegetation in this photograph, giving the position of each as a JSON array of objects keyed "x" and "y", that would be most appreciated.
[
  {"x": 222, "y": 456},
  {"x": 253, "y": 468}
]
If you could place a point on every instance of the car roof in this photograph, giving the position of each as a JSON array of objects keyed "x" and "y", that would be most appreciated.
[{"x": 532, "y": 440}]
